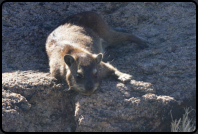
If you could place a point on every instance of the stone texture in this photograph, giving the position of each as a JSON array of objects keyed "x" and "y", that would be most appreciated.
[
  {"x": 33, "y": 102},
  {"x": 164, "y": 75}
]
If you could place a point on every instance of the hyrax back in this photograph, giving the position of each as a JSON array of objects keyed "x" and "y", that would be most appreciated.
[{"x": 75, "y": 52}]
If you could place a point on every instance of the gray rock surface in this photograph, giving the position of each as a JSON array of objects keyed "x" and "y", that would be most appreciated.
[
  {"x": 32, "y": 101},
  {"x": 164, "y": 75}
]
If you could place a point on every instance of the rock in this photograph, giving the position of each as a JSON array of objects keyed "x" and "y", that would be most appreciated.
[
  {"x": 32, "y": 101},
  {"x": 12, "y": 104},
  {"x": 164, "y": 75}
]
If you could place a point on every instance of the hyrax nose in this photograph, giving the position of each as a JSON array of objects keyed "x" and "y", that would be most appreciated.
[{"x": 89, "y": 86}]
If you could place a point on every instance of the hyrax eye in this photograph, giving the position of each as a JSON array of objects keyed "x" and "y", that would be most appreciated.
[
  {"x": 79, "y": 76},
  {"x": 96, "y": 74}
]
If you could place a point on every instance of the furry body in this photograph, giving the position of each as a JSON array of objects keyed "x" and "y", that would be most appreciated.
[{"x": 75, "y": 51}]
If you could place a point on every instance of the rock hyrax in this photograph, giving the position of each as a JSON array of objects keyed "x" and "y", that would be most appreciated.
[{"x": 75, "y": 51}]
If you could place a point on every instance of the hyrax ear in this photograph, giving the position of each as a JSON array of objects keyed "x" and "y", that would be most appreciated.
[
  {"x": 68, "y": 59},
  {"x": 98, "y": 58}
]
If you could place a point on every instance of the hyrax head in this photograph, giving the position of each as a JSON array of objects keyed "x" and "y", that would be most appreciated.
[{"x": 83, "y": 72}]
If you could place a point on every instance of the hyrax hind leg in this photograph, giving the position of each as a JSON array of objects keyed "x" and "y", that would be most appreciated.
[{"x": 99, "y": 26}]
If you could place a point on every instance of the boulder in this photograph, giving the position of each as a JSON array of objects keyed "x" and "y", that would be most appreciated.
[{"x": 164, "y": 75}]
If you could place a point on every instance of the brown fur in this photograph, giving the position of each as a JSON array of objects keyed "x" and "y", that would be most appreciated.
[{"x": 75, "y": 51}]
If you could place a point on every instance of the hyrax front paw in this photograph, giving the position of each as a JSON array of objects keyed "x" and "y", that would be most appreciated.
[
  {"x": 143, "y": 44},
  {"x": 124, "y": 77}
]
